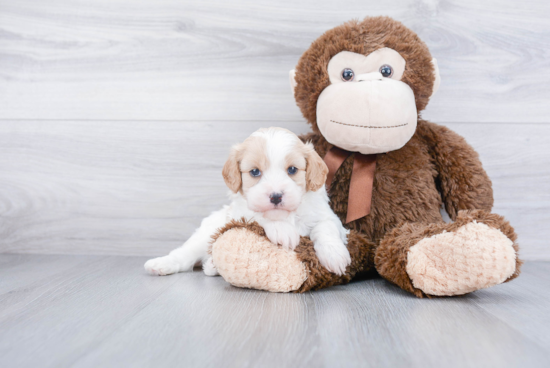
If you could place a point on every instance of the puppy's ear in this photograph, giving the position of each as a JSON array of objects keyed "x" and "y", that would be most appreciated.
[
  {"x": 316, "y": 169},
  {"x": 232, "y": 172}
]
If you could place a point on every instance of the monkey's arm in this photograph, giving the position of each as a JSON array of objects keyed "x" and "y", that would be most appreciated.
[{"x": 461, "y": 179}]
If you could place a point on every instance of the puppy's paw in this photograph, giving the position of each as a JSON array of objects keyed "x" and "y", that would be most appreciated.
[
  {"x": 208, "y": 268},
  {"x": 291, "y": 240},
  {"x": 282, "y": 233},
  {"x": 333, "y": 255},
  {"x": 161, "y": 266}
]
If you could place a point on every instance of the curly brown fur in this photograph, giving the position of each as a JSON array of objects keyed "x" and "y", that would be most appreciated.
[
  {"x": 404, "y": 188},
  {"x": 391, "y": 255},
  {"x": 436, "y": 166},
  {"x": 241, "y": 223},
  {"x": 362, "y": 37},
  {"x": 461, "y": 179},
  {"x": 362, "y": 260}
]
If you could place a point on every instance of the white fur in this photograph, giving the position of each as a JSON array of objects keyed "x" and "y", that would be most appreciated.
[{"x": 299, "y": 214}]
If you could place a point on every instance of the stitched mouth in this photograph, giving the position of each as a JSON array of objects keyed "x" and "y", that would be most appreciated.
[{"x": 370, "y": 127}]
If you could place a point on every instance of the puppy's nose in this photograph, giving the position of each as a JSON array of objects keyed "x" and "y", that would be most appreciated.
[{"x": 276, "y": 198}]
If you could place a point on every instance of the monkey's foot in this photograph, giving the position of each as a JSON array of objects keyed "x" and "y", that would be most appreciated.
[
  {"x": 475, "y": 252},
  {"x": 245, "y": 258}
]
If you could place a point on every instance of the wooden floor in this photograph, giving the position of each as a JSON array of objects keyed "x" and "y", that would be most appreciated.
[{"x": 104, "y": 311}]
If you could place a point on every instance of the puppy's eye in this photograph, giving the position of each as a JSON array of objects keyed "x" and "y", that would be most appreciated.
[
  {"x": 255, "y": 173},
  {"x": 386, "y": 71},
  {"x": 347, "y": 75},
  {"x": 292, "y": 170}
]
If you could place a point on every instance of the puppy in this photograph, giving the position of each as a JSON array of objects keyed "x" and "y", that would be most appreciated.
[{"x": 279, "y": 182}]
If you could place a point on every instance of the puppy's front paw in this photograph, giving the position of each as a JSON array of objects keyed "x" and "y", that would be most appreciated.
[
  {"x": 161, "y": 266},
  {"x": 291, "y": 240},
  {"x": 283, "y": 234},
  {"x": 333, "y": 255},
  {"x": 208, "y": 268}
]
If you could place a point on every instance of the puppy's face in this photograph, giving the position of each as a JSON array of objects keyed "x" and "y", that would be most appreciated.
[{"x": 272, "y": 169}]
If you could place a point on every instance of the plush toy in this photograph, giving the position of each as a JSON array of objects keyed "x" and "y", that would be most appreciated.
[{"x": 362, "y": 86}]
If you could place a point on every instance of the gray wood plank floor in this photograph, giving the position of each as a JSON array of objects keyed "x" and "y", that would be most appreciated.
[{"x": 104, "y": 311}]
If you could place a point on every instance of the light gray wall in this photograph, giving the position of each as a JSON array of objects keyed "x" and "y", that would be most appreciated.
[{"x": 116, "y": 116}]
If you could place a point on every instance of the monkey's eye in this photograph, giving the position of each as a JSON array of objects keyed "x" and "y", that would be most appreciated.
[
  {"x": 347, "y": 75},
  {"x": 386, "y": 71},
  {"x": 292, "y": 170},
  {"x": 255, "y": 173}
]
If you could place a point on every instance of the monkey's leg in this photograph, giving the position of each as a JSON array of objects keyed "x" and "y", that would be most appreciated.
[
  {"x": 477, "y": 251},
  {"x": 244, "y": 257}
]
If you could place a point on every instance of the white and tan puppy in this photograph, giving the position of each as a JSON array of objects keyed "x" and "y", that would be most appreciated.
[{"x": 279, "y": 182}]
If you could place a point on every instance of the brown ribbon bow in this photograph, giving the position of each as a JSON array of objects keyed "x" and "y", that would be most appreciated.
[{"x": 362, "y": 178}]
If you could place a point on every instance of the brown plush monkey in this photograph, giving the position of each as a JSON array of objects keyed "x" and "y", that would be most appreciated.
[{"x": 361, "y": 86}]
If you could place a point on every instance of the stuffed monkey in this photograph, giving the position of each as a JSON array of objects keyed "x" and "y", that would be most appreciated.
[{"x": 362, "y": 86}]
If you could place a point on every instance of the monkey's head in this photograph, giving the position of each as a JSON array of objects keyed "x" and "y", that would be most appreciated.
[{"x": 363, "y": 84}]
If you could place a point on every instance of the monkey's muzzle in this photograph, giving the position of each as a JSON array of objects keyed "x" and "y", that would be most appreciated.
[{"x": 374, "y": 115}]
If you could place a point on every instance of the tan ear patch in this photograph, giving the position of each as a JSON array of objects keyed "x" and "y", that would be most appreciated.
[
  {"x": 316, "y": 169},
  {"x": 231, "y": 170},
  {"x": 244, "y": 157},
  {"x": 253, "y": 156}
]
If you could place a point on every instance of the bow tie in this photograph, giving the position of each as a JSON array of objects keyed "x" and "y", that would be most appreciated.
[{"x": 362, "y": 178}]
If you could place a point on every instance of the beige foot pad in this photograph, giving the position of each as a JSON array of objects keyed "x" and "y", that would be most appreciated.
[
  {"x": 246, "y": 259},
  {"x": 473, "y": 257}
]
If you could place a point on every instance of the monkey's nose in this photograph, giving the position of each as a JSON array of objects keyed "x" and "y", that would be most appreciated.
[
  {"x": 369, "y": 76},
  {"x": 276, "y": 198}
]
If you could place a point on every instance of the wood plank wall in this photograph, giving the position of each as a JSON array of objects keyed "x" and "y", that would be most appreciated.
[{"x": 116, "y": 116}]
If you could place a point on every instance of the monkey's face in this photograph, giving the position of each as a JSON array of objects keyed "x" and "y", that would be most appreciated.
[
  {"x": 366, "y": 108},
  {"x": 362, "y": 84}
]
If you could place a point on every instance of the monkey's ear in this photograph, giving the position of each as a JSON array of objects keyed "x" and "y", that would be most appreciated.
[
  {"x": 232, "y": 172},
  {"x": 437, "y": 80},
  {"x": 292, "y": 77}
]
